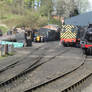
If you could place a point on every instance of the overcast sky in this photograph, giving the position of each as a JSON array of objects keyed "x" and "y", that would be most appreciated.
[{"x": 90, "y": 1}]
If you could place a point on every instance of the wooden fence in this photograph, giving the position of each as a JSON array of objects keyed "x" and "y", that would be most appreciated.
[{"x": 6, "y": 49}]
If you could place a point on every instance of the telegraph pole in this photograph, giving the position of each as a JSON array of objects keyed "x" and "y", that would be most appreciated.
[{"x": 48, "y": 17}]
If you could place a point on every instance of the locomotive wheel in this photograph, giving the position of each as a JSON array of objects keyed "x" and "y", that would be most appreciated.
[
  {"x": 85, "y": 51},
  {"x": 67, "y": 44},
  {"x": 64, "y": 44},
  {"x": 90, "y": 51}
]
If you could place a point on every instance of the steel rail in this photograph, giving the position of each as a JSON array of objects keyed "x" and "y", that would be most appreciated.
[
  {"x": 54, "y": 78},
  {"x": 72, "y": 86},
  {"x": 17, "y": 60},
  {"x": 36, "y": 64},
  {"x": 79, "y": 82}
]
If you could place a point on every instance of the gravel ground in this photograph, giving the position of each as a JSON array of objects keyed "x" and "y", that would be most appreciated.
[
  {"x": 37, "y": 49},
  {"x": 60, "y": 65},
  {"x": 87, "y": 87}
]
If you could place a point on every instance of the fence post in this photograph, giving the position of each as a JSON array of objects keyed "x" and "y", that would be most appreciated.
[
  {"x": 6, "y": 49},
  {"x": 2, "y": 50},
  {"x": 10, "y": 49}
]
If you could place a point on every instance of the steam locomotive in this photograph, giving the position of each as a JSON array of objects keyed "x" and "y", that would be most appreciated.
[{"x": 86, "y": 41}]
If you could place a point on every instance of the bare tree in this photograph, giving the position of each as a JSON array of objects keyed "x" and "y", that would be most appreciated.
[
  {"x": 46, "y": 7},
  {"x": 82, "y": 5},
  {"x": 64, "y": 7},
  {"x": 17, "y": 6}
]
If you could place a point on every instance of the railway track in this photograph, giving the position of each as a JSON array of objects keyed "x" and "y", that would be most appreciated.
[
  {"x": 73, "y": 81},
  {"x": 6, "y": 79},
  {"x": 30, "y": 68},
  {"x": 16, "y": 69},
  {"x": 81, "y": 81},
  {"x": 14, "y": 61}
]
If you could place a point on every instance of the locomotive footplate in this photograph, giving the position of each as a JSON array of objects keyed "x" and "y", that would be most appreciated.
[{"x": 90, "y": 50}]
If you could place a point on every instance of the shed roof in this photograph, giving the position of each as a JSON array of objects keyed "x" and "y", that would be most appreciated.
[{"x": 80, "y": 20}]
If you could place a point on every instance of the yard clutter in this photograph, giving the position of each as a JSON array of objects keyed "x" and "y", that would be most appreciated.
[
  {"x": 7, "y": 48},
  {"x": 19, "y": 37}
]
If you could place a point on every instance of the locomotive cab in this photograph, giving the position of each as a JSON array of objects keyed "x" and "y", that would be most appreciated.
[
  {"x": 69, "y": 35},
  {"x": 86, "y": 43}
]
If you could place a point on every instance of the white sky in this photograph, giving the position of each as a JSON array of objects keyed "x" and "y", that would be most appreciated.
[{"x": 90, "y": 2}]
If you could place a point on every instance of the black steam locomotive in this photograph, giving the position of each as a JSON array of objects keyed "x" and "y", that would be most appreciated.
[{"x": 86, "y": 41}]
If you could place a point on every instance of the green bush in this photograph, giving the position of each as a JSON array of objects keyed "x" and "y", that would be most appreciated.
[
  {"x": 54, "y": 21},
  {"x": 4, "y": 29},
  {"x": 33, "y": 19}
]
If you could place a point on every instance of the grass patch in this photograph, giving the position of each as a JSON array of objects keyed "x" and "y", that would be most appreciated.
[
  {"x": 5, "y": 56},
  {"x": 9, "y": 16},
  {"x": 4, "y": 29},
  {"x": 11, "y": 54},
  {"x": 2, "y": 57}
]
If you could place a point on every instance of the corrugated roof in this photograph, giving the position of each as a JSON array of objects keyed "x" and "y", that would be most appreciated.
[
  {"x": 52, "y": 27},
  {"x": 80, "y": 20}
]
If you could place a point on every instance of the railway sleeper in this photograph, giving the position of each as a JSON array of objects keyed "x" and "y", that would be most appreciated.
[
  {"x": 21, "y": 74},
  {"x": 77, "y": 85},
  {"x": 67, "y": 89}
]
